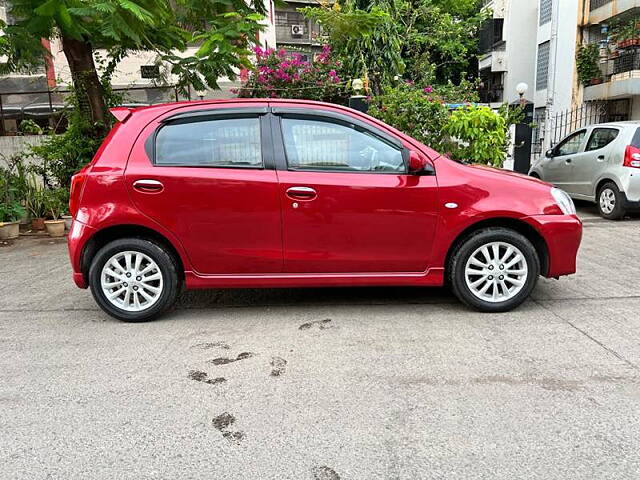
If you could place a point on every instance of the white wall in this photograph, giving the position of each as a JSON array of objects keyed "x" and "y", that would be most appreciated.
[{"x": 520, "y": 32}]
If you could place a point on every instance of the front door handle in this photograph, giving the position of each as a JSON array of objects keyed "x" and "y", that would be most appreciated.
[
  {"x": 148, "y": 186},
  {"x": 601, "y": 158},
  {"x": 568, "y": 160},
  {"x": 301, "y": 193}
]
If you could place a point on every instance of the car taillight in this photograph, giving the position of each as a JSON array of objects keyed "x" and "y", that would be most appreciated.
[
  {"x": 77, "y": 182},
  {"x": 632, "y": 157}
]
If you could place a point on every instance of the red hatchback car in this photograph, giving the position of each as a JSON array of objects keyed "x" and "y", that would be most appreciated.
[{"x": 283, "y": 193}]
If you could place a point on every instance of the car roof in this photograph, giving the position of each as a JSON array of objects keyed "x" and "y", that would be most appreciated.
[{"x": 629, "y": 123}]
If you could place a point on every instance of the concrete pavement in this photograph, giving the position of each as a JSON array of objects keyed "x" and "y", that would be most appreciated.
[{"x": 377, "y": 383}]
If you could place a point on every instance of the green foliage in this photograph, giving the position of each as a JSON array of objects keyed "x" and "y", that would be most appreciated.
[
  {"x": 35, "y": 198},
  {"x": 418, "y": 113},
  {"x": 427, "y": 41},
  {"x": 367, "y": 39},
  {"x": 625, "y": 28},
  {"x": 55, "y": 202},
  {"x": 587, "y": 63},
  {"x": 478, "y": 134},
  {"x": 30, "y": 127},
  {"x": 441, "y": 39},
  {"x": 12, "y": 190}
]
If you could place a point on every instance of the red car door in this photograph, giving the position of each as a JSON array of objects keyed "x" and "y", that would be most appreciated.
[
  {"x": 348, "y": 204},
  {"x": 203, "y": 176}
]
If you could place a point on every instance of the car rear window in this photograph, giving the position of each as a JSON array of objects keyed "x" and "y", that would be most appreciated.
[
  {"x": 635, "y": 142},
  {"x": 601, "y": 137},
  {"x": 212, "y": 143}
]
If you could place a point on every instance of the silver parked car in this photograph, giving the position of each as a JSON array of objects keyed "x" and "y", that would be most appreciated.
[{"x": 600, "y": 163}]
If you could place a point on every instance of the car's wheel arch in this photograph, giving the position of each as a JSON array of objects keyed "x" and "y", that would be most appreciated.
[
  {"x": 113, "y": 232},
  {"x": 515, "y": 224},
  {"x": 601, "y": 183}
]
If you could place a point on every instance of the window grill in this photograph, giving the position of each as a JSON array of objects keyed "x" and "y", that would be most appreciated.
[{"x": 542, "y": 70}]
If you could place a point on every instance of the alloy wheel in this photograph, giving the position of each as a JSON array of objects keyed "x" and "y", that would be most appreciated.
[
  {"x": 131, "y": 281},
  {"x": 607, "y": 201},
  {"x": 496, "y": 272}
]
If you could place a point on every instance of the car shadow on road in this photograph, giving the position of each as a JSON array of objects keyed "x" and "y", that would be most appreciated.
[{"x": 195, "y": 299}]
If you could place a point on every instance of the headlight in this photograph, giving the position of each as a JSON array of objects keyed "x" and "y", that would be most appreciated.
[{"x": 564, "y": 201}]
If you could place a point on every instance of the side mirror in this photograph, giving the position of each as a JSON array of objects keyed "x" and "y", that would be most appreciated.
[
  {"x": 549, "y": 153},
  {"x": 419, "y": 165}
]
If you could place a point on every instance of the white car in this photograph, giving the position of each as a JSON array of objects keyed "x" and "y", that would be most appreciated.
[{"x": 599, "y": 163}]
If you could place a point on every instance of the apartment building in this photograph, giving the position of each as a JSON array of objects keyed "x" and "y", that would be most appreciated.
[
  {"x": 562, "y": 100},
  {"x": 508, "y": 48},
  {"x": 619, "y": 85}
]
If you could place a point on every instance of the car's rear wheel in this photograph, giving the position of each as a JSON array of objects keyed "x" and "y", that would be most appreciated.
[
  {"x": 133, "y": 279},
  {"x": 610, "y": 202},
  {"x": 494, "y": 270}
]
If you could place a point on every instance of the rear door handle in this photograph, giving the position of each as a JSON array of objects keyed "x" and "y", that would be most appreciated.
[
  {"x": 568, "y": 160},
  {"x": 301, "y": 193},
  {"x": 601, "y": 158},
  {"x": 148, "y": 186}
]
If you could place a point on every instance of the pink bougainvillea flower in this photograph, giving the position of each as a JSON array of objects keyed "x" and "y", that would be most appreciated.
[{"x": 428, "y": 89}]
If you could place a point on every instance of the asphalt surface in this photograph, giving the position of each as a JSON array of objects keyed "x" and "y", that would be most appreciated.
[{"x": 375, "y": 383}]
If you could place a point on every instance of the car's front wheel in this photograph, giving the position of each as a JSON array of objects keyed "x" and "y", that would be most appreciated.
[
  {"x": 133, "y": 279},
  {"x": 610, "y": 202},
  {"x": 494, "y": 270}
]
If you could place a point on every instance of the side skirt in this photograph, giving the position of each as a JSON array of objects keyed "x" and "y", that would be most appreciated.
[{"x": 434, "y": 277}]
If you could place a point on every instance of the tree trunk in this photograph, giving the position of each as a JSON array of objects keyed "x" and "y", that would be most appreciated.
[{"x": 85, "y": 79}]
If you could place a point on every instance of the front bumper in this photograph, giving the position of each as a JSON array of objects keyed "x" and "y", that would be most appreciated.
[
  {"x": 76, "y": 240},
  {"x": 562, "y": 235}
]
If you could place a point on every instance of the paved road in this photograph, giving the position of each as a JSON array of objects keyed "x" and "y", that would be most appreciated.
[{"x": 378, "y": 383}]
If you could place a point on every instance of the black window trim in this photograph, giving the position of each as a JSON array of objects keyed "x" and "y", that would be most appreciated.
[
  {"x": 197, "y": 116},
  {"x": 282, "y": 162},
  {"x": 593, "y": 131}
]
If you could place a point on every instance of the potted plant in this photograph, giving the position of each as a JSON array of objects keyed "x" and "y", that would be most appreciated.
[
  {"x": 11, "y": 209},
  {"x": 55, "y": 206},
  {"x": 35, "y": 203},
  {"x": 626, "y": 32},
  {"x": 10, "y": 215},
  {"x": 587, "y": 58}
]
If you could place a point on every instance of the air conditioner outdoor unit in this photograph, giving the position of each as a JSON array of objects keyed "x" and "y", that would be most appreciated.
[{"x": 297, "y": 30}]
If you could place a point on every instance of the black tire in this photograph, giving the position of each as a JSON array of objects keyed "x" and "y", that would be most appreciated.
[
  {"x": 466, "y": 248},
  {"x": 534, "y": 175},
  {"x": 618, "y": 210},
  {"x": 166, "y": 264}
]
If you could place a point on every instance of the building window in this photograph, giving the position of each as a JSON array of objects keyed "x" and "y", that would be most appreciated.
[
  {"x": 546, "y": 7},
  {"x": 542, "y": 69}
]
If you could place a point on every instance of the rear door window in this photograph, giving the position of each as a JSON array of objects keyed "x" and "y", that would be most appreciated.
[
  {"x": 601, "y": 137},
  {"x": 229, "y": 142}
]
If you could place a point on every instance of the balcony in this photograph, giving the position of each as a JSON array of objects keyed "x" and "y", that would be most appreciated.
[
  {"x": 621, "y": 78},
  {"x": 603, "y": 10},
  {"x": 491, "y": 36}
]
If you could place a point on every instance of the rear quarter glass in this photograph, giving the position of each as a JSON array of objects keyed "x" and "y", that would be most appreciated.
[{"x": 635, "y": 141}]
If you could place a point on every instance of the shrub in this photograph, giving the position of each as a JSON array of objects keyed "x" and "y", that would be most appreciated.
[
  {"x": 420, "y": 113},
  {"x": 12, "y": 189},
  {"x": 279, "y": 75},
  {"x": 478, "y": 134}
]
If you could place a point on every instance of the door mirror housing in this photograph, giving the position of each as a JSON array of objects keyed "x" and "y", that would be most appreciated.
[
  {"x": 419, "y": 165},
  {"x": 549, "y": 153}
]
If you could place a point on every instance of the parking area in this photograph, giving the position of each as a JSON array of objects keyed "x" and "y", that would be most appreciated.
[{"x": 366, "y": 383}]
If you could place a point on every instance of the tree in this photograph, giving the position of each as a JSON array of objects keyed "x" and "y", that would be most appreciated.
[
  {"x": 426, "y": 41},
  {"x": 221, "y": 28},
  {"x": 441, "y": 43},
  {"x": 367, "y": 39}
]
